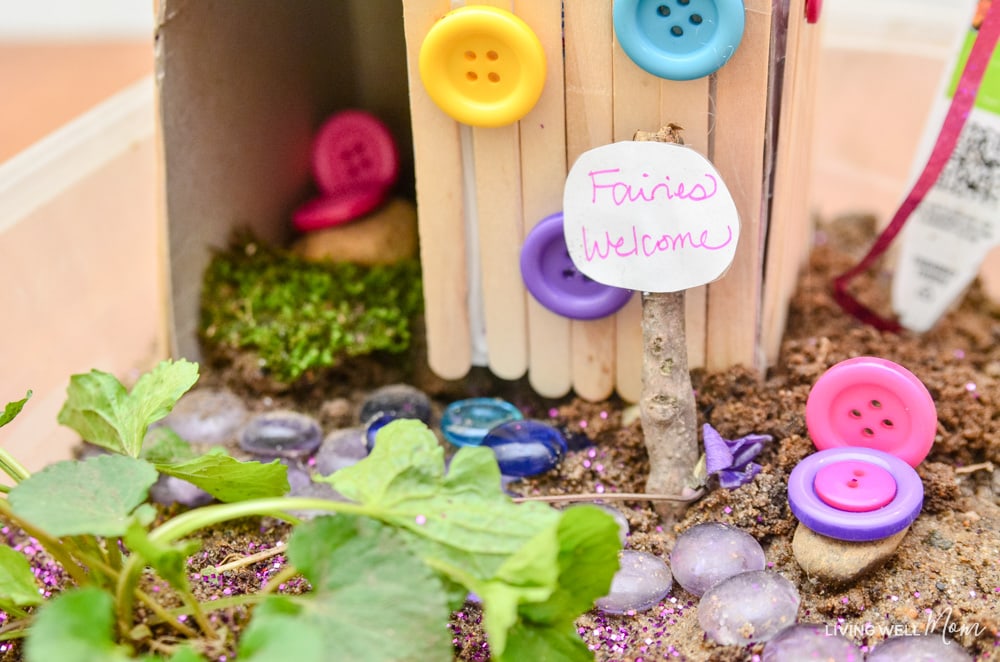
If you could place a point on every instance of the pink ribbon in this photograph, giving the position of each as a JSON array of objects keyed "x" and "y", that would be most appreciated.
[{"x": 958, "y": 112}]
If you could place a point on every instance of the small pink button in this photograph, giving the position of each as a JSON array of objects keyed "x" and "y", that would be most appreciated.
[
  {"x": 813, "y": 9},
  {"x": 354, "y": 148},
  {"x": 855, "y": 486},
  {"x": 337, "y": 209}
]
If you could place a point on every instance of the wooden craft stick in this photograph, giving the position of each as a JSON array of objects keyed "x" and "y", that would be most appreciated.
[
  {"x": 783, "y": 253},
  {"x": 741, "y": 113},
  {"x": 636, "y": 106},
  {"x": 687, "y": 104},
  {"x": 543, "y": 172},
  {"x": 438, "y": 171},
  {"x": 589, "y": 123},
  {"x": 500, "y": 218}
]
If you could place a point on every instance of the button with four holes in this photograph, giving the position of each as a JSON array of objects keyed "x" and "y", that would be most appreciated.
[
  {"x": 483, "y": 66},
  {"x": 679, "y": 39},
  {"x": 553, "y": 279},
  {"x": 872, "y": 421},
  {"x": 813, "y": 9}
]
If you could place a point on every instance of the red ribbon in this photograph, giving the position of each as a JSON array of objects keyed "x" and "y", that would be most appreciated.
[{"x": 958, "y": 112}]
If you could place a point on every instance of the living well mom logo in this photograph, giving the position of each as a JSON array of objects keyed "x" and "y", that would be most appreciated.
[
  {"x": 649, "y": 216},
  {"x": 940, "y": 622}
]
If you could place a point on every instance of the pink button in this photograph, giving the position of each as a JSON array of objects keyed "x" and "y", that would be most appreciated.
[
  {"x": 813, "y": 9},
  {"x": 337, "y": 209},
  {"x": 354, "y": 148},
  {"x": 855, "y": 486},
  {"x": 872, "y": 403}
]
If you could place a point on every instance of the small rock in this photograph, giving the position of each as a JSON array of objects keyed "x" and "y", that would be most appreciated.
[
  {"x": 281, "y": 434},
  {"x": 839, "y": 562},
  {"x": 398, "y": 401},
  {"x": 466, "y": 422},
  {"x": 935, "y": 539},
  {"x": 641, "y": 582},
  {"x": 207, "y": 416},
  {"x": 336, "y": 413},
  {"x": 386, "y": 236},
  {"x": 709, "y": 553},
  {"x": 918, "y": 648},
  {"x": 749, "y": 607},
  {"x": 525, "y": 448},
  {"x": 340, "y": 448},
  {"x": 805, "y": 642}
]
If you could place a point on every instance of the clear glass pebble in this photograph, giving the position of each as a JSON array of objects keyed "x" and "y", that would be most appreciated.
[
  {"x": 620, "y": 519},
  {"x": 466, "y": 422},
  {"x": 709, "y": 553},
  {"x": 749, "y": 607},
  {"x": 168, "y": 490},
  {"x": 207, "y": 416},
  {"x": 525, "y": 448},
  {"x": 641, "y": 582},
  {"x": 810, "y": 642},
  {"x": 919, "y": 648},
  {"x": 281, "y": 434}
]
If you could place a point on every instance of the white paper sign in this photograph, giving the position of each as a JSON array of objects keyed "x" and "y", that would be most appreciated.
[{"x": 648, "y": 216}]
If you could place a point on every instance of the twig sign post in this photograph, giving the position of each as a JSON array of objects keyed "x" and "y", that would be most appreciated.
[{"x": 654, "y": 216}]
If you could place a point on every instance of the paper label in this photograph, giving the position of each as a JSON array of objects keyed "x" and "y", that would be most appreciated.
[
  {"x": 951, "y": 231},
  {"x": 649, "y": 216}
]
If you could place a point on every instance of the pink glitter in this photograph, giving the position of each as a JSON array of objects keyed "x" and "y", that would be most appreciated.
[
  {"x": 727, "y": 510},
  {"x": 583, "y": 425},
  {"x": 420, "y": 520},
  {"x": 553, "y": 413},
  {"x": 604, "y": 415}
]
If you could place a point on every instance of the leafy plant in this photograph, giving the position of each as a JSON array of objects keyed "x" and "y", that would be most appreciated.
[
  {"x": 385, "y": 572},
  {"x": 299, "y": 316}
]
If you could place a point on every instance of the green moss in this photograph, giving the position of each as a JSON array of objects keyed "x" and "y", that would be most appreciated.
[{"x": 300, "y": 316}]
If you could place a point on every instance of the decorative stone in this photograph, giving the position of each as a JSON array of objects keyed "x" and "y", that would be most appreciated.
[
  {"x": 340, "y": 448},
  {"x": 525, "y": 448},
  {"x": 168, "y": 490},
  {"x": 397, "y": 400},
  {"x": 386, "y": 236},
  {"x": 207, "y": 416},
  {"x": 807, "y": 642},
  {"x": 466, "y": 422},
  {"x": 641, "y": 582},
  {"x": 919, "y": 648},
  {"x": 749, "y": 607},
  {"x": 840, "y": 562},
  {"x": 709, "y": 553},
  {"x": 377, "y": 422},
  {"x": 281, "y": 434}
]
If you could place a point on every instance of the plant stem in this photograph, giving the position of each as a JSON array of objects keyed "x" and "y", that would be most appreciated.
[
  {"x": 52, "y": 545},
  {"x": 12, "y": 467},
  {"x": 279, "y": 548},
  {"x": 614, "y": 496},
  {"x": 163, "y": 615}
]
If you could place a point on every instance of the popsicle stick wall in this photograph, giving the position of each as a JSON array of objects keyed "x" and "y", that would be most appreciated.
[{"x": 480, "y": 191}]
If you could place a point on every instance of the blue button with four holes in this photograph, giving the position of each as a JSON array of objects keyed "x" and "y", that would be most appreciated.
[{"x": 679, "y": 39}]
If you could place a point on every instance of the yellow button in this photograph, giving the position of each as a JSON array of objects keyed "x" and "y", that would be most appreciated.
[{"x": 483, "y": 66}]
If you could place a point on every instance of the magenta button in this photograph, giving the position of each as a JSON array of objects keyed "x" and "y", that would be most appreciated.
[
  {"x": 874, "y": 403},
  {"x": 854, "y": 486}
]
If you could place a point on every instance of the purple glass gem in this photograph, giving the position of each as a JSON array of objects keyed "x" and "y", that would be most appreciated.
[
  {"x": 709, "y": 553},
  {"x": 749, "y": 607},
  {"x": 168, "y": 490},
  {"x": 810, "y": 642},
  {"x": 525, "y": 448},
  {"x": 640, "y": 583},
  {"x": 207, "y": 416},
  {"x": 552, "y": 278},
  {"x": 920, "y": 648},
  {"x": 397, "y": 400},
  {"x": 281, "y": 434},
  {"x": 341, "y": 448},
  {"x": 877, "y": 524}
]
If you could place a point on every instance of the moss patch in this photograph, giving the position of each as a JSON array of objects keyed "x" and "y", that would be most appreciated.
[{"x": 299, "y": 316}]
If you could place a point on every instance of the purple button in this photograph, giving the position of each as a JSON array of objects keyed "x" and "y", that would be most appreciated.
[
  {"x": 553, "y": 279},
  {"x": 827, "y": 520},
  {"x": 855, "y": 486}
]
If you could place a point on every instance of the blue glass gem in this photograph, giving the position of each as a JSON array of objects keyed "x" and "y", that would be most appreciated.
[
  {"x": 466, "y": 422},
  {"x": 399, "y": 400},
  {"x": 377, "y": 422},
  {"x": 526, "y": 448}
]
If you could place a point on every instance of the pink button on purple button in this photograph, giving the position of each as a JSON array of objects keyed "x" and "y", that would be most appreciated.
[{"x": 854, "y": 486}]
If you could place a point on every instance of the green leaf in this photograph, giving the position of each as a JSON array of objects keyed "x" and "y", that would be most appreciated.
[
  {"x": 96, "y": 496},
  {"x": 13, "y": 409},
  {"x": 99, "y": 408},
  {"x": 372, "y": 600},
  {"x": 228, "y": 479},
  {"x": 75, "y": 626},
  {"x": 539, "y": 643},
  {"x": 169, "y": 560},
  {"x": 462, "y": 521},
  {"x": 17, "y": 582},
  {"x": 164, "y": 446}
]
